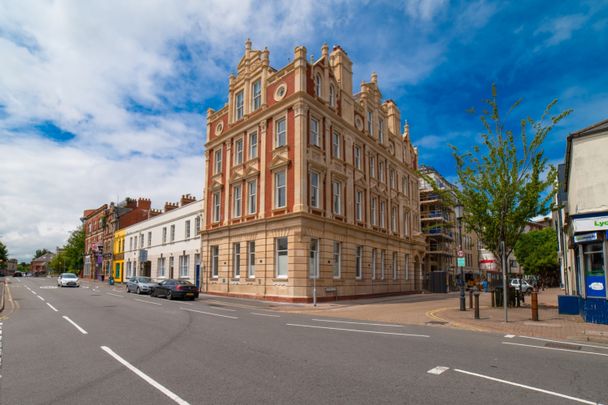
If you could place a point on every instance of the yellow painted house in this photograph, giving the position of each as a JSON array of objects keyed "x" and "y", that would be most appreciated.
[{"x": 119, "y": 254}]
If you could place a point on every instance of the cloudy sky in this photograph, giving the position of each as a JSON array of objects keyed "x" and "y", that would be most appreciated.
[{"x": 100, "y": 100}]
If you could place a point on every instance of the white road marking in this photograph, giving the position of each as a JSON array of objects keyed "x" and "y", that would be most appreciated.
[
  {"x": 438, "y": 370},
  {"x": 208, "y": 313},
  {"x": 115, "y": 295},
  {"x": 271, "y": 315},
  {"x": 48, "y": 287},
  {"x": 147, "y": 301},
  {"x": 360, "y": 323},
  {"x": 84, "y": 332},
  {"x": 556, "y": 348},
  {"x": 556, "y": 394},
  {"x": 40, "y": 298},
  {"x": 565, "y": 342},
  {"x": 52, "y": 307},
  {"x": 357, "y": 330},
  {"x": 144, "y": 376},
  {"x": 224, "y": 309},
  {"x": 509, "y": 336}
]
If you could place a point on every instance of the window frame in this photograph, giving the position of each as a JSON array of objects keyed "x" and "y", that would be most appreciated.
[
  {"x": 236, "y": 260},
  {"x": 278, "y": 135},
  {"x": 336, "y": 144},
  {"x": 359, "y": 262},
  {"x": 279, "y": 272},
  {"x": 216, "y": 201},
  {"x": 253, "y": 146},
  {"x": 315, "y": 190},
  {"x": 336, "y": 192},
  {"x": 239, "y": 104},
  {"x": 251, "y": 259},
  {"x": 313, "y": 259},
  {"x": 237, "y": 201},
  {"x": 316, "y": 139},
  {"x": 238, "y": 151},
  {"x": 256, "y": 96},
  {"x": 280, "y": 189},
  {"x": 214, "y": 257},
  {"x": 217, "y": 160},
  {"x": 357, "y": 157},
  {"x": 337, "y": 257},
  {"x": 252, "y": 198}
]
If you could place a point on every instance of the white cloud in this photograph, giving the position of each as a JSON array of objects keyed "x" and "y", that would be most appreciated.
[
  {"x": 424, "y": 10},
  {"x": 560, "y": 29}
]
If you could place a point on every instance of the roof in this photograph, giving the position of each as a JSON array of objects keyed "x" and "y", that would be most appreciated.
[{"x": 596, "y": 128}]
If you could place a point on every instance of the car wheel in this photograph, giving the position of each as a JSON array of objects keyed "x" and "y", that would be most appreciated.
[
  {"x": 152, "y": 293},
  {"x": 128, "y": 291},
  {"x": 169, "y": 295},
  {"x": 138, "y": 291}
]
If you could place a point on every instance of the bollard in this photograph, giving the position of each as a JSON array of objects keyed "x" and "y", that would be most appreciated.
[
  {"x": 493, "y": 298},
  {"x": 476, "y": 304},
  {"x": 517, "y": 304},
  {"x": 534, "y": 306},
  {"x": 471, "y": 299}
]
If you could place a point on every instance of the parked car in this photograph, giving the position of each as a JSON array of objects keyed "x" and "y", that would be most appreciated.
[
  {"x": 68, "y": 280},
  {"x": 141, "y": 285},
  {"x": 521, "y": 285},
  {"x": 175, "y": 289},
  {"x": 18, "y": 274}
]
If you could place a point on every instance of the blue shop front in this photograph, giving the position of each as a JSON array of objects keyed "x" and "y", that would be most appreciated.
[{"x": 590, "y": 242}]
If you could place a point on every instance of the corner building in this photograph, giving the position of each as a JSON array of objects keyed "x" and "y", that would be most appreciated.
[{"x": 308, "y": 187}]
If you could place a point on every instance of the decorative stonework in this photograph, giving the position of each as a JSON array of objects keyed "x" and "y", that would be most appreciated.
[{"x": 280, "y": 92}]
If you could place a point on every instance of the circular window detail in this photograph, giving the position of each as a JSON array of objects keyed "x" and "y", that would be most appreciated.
[
  {"x": 280, "y": 92},
  {"x": 219, "y": 128},
  {"x": 358, "y": 123}
]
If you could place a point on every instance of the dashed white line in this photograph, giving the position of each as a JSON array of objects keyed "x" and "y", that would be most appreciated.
[
  {"x": 556, "y": 394},
  {"x": 224, "y": 309},
  {"x": 360, "y": 323},
  {"x": 115, "y": 295},
  {"x": 358, "y": 330},
  {"x": 147, "y": 301},
  {"x": 52, "y": 307},
  {"x": 556, "y": 348},
  {"x": 145, "y": 377},
  {"x": 438, "y": 370},
  {"x": 42, "y": 299},
  {"x": 208, "y": 313},
  {"x": 509, "y": 336},
  {"x": 270, "y": 315},
  {"x": 84, "y": 332}
]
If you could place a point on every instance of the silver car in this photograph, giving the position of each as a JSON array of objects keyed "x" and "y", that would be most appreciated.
[
  {"x": 68, "y": 280},
  {"x": 521, "y": 285},
  {"x": 140, "y": 285}
]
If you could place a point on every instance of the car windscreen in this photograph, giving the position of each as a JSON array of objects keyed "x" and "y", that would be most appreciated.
[
  {"x": 181, "y": 282},
  {"x": 68, "y": 275},
  {"x": 145, "y": 280}
]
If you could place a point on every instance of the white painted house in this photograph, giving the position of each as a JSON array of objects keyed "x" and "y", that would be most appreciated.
[{"x": 166, "y": 245}]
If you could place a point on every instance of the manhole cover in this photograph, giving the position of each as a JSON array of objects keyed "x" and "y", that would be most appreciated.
[
  {"x": 562, "y": 346},
  {"x": 436, "y": 323}
]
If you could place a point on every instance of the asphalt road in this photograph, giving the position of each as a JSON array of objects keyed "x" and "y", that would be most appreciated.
[{"x": 100, "y": 345}]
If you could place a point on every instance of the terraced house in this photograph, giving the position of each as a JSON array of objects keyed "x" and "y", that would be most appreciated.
[{"x": 310, "y": 190}]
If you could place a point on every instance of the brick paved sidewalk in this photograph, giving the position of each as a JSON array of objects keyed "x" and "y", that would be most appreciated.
[{"x": 443, "y": 310}]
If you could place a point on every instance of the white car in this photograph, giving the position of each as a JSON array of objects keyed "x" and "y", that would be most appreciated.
[
  {"x": 68, "y": 280},
  {"x": 521, "y": 285}
]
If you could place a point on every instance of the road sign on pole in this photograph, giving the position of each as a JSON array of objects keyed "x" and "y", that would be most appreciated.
[
  {"x": 460, "y": 253},
  {"x": 461, "y": 262}
]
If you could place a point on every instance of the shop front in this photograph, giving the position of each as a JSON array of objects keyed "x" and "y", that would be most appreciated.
[{"x": 590, "y": 242}]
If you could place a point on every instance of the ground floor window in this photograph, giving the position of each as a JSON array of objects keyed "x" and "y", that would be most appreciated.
[
  {"x": 184, "y": 262},
  {"x": 313, "y": 259},
  {"x": 281, "y": 257},
  {"x": 593, "y": 262},
  {"x": 215, "y": 255},
  {"x": 236, "y": 260},
  {"x": 251, "y": 259},
  {"x": 359, "y": 263},
  {"x": 161, "y": 266}
]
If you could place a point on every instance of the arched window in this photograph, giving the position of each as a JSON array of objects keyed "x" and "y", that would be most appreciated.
[
  {"x": 332, "y": 96},
  {"x": 318, "y": 85}
]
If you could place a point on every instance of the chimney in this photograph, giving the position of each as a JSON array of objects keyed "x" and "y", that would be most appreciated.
[
  {"x": 186, "y": 199},
  {"x": 144, "y": 203},
  {"x": 154, "y": 212},
  {"x": 130, "y": 202},
  {"x": 343, "y": 69},
  {"x": 170, "y": 206}
]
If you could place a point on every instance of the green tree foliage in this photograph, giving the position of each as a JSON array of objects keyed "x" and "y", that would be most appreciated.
[
  {"x": 536, "y": 251},
  {"x": 23, "y": 267},
  {"x": 40, "y": 252},
  {"x": 69, "y": 258},
  {"x": 506, "y": 181},
  {"x": 3, "y": 255}
]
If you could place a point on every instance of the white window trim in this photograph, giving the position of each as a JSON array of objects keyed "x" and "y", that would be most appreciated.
[
  {"x": 318, "y": 132},
  {"x": 217, "y": 160},
  {"x": 216, "y": 201},
  {"x": 251, "y": 154},
  {"x": 337, "y": 265},
  {"x": 215, "y": 261},
  {"x": 313, "y": 259},
  {"x": 236, "y": 260},
  {"x": 239, "y": 108},
  {"x": 336, "y": 187},
  {"x": 276, "y": 188},
  {"x": 237, "y": 201},
  {"x": 359, "y": 259},
  {"x": 276, "y": 258},
  {"x": 317, "y": 194},
  {"x": 255, "y": 96},
  {"x": 251, "y": 259},
  {"x": 238, "y": 150},
  {"x": 276, "y": 131},
  {"x": 252, "y": 198}
]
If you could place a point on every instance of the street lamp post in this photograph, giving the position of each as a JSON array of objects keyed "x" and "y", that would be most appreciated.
[{"x": 459, "y": 211}]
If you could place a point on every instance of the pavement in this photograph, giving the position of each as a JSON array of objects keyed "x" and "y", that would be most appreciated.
[{"x": 443, "y": 310}]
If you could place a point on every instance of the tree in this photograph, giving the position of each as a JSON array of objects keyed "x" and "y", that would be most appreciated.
[
  {"x": 536, "y": 251},
  {"x": 73, "y": 251},
  {"x": 40, "y": 252},
  {"x": 508, "y": 183},
  {"x": 3, "y": 255}
]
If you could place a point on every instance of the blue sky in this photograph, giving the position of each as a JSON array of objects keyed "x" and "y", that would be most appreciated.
[{"x": 107, "y": 99}]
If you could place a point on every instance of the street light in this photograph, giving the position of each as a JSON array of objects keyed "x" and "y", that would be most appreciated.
[{"x": 459, "y": 212}]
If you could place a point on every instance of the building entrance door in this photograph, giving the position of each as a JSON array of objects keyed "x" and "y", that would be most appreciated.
[{"x": 146, "y": 269}]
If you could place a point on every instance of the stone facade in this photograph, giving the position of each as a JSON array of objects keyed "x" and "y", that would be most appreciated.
[{"x": 305, "y": 183}]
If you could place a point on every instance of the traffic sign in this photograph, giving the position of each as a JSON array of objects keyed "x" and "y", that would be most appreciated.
[
  {"x": 461, "y": 262},
  {"x": 460, "y": 253}
]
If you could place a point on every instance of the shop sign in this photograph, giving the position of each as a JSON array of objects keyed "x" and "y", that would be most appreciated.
[
  {"x": 587, "y": 237},
  {"x": 461, "y": 262},
  {"x": 591, "y": 224},
  {"x": 595, "y": 286}
]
